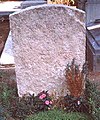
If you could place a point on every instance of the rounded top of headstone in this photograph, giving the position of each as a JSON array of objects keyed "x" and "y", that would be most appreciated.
[{"x": 49, "y": 6}]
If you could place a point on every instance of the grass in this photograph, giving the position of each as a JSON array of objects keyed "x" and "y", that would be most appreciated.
[{"x": 57, "y": 115}]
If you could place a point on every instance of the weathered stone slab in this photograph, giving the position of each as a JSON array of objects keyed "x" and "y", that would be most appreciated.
[
  {"x": 32, "y": 3},
  {"x": 7, "y": 54},
  {"x": 45, "y": 39}
]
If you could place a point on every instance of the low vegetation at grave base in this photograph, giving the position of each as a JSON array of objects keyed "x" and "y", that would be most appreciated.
[
  {"x": 57, "y": 115},
  {"x": 81, "y": 104}
]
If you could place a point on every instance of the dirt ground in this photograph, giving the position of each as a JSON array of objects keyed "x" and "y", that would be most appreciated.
[
  {"x": 4, "y": 30},
  {"x": 95, "y": 77}
]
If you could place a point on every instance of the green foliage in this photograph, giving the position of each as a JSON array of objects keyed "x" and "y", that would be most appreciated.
[
  {"x": 5, "y": 94},
  {"x": 76, "y": 104},
  {"x": 13, "y": 106},
  {"x": 57, "y": 115},
  {"x": 93, "y": 97},
  {"x": 3, "y": 75},
  {"x": 30, "y": 104},
  {"x": 1, "y": 113}
]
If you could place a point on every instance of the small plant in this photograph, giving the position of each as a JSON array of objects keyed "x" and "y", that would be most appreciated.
[
  {"x": 93, "y": 96},
  {"x": 43, "y": 99},
  {"x": 76, "y": 104},
  {"x": 75, "y": 79}
]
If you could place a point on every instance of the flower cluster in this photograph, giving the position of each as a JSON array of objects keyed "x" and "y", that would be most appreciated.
[{"x": 45, "y": 98}]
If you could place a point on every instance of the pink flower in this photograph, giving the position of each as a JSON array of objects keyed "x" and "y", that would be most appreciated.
[
  {"x": 47, "y": 102},
  {"x": 50, "y": 102},
  {"x": 42, "y": 96}
]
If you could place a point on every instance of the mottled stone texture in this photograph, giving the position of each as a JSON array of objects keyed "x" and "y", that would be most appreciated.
[{"x": 45, "y": 39}]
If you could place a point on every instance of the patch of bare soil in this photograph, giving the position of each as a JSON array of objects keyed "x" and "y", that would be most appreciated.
[
  {"x": 95, "y": 77},
  {"x": 4, "y": 31}
]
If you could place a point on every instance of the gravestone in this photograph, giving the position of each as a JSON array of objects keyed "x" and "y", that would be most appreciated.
[{"x": 45, "y": 39}]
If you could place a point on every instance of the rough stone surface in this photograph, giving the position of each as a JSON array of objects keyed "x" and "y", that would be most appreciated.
[{"x": 45, "y": 39}]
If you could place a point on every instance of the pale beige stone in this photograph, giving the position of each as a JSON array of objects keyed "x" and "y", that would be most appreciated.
[{"x": 45, "y": 39}]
